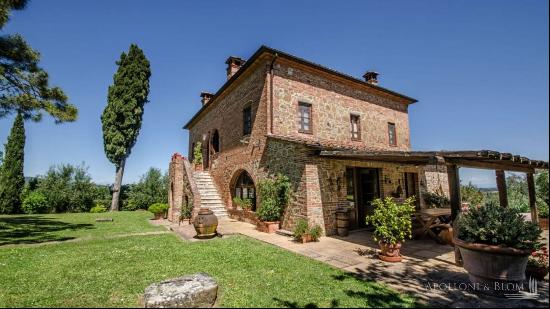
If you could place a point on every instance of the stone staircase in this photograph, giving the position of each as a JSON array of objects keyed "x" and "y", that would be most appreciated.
[{"x": 210, "y": 198}]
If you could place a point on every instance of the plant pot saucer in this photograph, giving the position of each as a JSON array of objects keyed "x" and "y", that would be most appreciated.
[{"x": 391, "y": 259}]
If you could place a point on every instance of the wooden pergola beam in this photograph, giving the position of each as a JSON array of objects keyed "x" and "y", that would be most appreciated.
[
  {"x": 501, "y": 185},
  {"x": 532, "y": 197},
  {"x": 454, "y": 192}
]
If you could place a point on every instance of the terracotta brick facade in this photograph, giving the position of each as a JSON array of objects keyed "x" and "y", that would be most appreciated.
[{"x": 272, "y": 88}]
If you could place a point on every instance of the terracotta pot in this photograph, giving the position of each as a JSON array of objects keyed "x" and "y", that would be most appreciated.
[
  {"x": 159, "y": 216},
  {"x": 493, "y": 266},
  {"x": 306, "y": 238},
  {"x": 205, "y": 223},
  {"x": 198, "y": 167},
  {"x": 536, "y": 272},
  {"x": 543, "y": 223},
  {"x": 268, "y": 227},
  {"x": 390, "y": 252}
]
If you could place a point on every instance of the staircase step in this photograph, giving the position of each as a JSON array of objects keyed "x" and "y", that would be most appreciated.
[{"x": 210, "y": 197}]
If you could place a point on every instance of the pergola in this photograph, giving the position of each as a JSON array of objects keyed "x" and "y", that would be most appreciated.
[{"x": 482, "y": 159}]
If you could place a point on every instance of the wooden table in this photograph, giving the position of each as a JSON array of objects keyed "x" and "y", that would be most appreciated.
[{"x": 432, "y": 218}]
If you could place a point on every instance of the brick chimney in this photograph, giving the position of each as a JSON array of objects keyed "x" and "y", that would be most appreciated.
[
  {"x": 233, "y": 65},
  {"x": 371, "y": 77},
  {"x": 205, "y": 97}
]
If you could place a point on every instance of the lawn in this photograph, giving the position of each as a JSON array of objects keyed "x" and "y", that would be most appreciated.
[{"x": 99, "y": 271}]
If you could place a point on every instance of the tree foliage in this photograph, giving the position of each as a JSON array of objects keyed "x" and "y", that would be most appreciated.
[
  {"x": 12, "y": 179},
  {"x": 470, "y": 193},
  {"x": 122, "y": 117},
  {"x": 69, "y": 188},
  {"x": 24, "y": 85},
  {"x": 150, "y": 189}
]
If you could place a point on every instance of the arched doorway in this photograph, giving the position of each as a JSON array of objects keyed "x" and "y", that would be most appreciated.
[
  {"x": 244, "y": 188},
  {"x": 216, "y": 142}
]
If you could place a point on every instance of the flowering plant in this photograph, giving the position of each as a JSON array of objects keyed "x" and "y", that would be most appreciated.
[{"x": 539, "y": 258}]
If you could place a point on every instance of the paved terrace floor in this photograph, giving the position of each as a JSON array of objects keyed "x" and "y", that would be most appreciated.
[{"x": 427, "y": 271}]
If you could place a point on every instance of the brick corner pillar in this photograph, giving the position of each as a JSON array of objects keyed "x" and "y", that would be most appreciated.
[
  {"x": 314, "y": 202},
  {"x": 501, "y": 186},
  {"x": 175, "y": 189}
]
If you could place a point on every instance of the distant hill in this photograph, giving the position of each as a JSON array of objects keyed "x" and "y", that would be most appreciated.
[{"x": 488, "y": 189}]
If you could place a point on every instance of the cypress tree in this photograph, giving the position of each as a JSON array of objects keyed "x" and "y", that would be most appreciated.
[
  {"x": 12, "y": 179},
  {"x": 123, "y": 114}
]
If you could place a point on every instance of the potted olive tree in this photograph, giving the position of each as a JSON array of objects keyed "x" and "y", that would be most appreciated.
[
  {"x": 197, "y": 156},
  {"x": 186, "y": 212},
  {"x": 304, "y": 233},
  {"x": 392, "y": 224},
  {"x": 274, "y": 196},
  {"x": 495, "y": 243},
  {"x": 158, "y": 209}
]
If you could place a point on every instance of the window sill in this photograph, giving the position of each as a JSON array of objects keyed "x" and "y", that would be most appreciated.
[{"x": 305, "y": 132}]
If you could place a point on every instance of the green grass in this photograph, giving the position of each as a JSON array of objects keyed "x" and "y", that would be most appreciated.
[
  {"x": 101, "y": 272},
  {"x": 30, "y": 229}
]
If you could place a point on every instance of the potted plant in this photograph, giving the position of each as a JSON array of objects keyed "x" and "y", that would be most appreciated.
[
  {"x": 237, "y": 203},
  {"x": 543, "y": 215},
  {"x": 197, "y": 156},
  {"x": 246, "y": 204},
  {"x": 186, "y": 212},
  {"x": 537, "y": 264},
  {"x": 158, "y": 209},
  {"x": 495, "y": 243},
  {"x": 274, "y": 194},
  {"x": 392, "y": 224},
  {"x": 305, "y": 234}
]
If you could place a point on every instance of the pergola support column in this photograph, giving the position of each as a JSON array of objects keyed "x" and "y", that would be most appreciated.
[
  {"x": 532, "y": 197},
  {"x": 454, "y": 192},
  {"x": 501, "y": 186}
]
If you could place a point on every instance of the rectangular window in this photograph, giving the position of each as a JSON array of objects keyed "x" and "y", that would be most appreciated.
[
  {"x": 247, "y": 121},
  {"x": 355, "y": 127},
  {"x": 391, "y": 134},
  {"x": 304, "y": 118}
]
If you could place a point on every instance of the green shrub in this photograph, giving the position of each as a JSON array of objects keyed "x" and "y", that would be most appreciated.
[
  {"x": 35, "y": 203},
  {"x": 316, "y": 232},
  {"x": 244, "y": 203},
  {"x": 151, "y": 188},
  {"x": 275, "y": 194},
  {"x": 98, "y": 209},
  {"x": 471, "y": 194},
  {"x": 301, "y": 228},
  {"x": 68, "y": 188},
  {"x": 392, "y": 221},
  {"x": 498, "y": 226},
  {"x": 435, "y": 200},
  {"x": 158, "y": 208},
  {"x": 543, "y": 209},
  {"x": 197, "y": 153}
]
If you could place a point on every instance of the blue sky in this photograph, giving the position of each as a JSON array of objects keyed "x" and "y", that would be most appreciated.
[{"x": 478, "y": 68}]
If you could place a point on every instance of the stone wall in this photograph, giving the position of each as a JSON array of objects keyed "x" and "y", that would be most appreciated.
[
  {"x": 332, "y": 103},
  {"x": 237, "y": 152}
]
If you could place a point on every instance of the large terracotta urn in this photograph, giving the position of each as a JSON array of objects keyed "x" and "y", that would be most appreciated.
[
  {"x": 495, "y": 269},
  {"x": 205, "y": 223}
]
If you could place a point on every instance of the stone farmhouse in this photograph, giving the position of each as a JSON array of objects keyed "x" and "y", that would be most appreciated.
[{"x": 342, "y": 141}]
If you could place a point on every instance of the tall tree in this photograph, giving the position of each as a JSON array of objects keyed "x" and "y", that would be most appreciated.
[
  {"x": 12, "y": 179},
  {"x": 122, "y": 116},
  {"x": 24, "y": 85}
]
